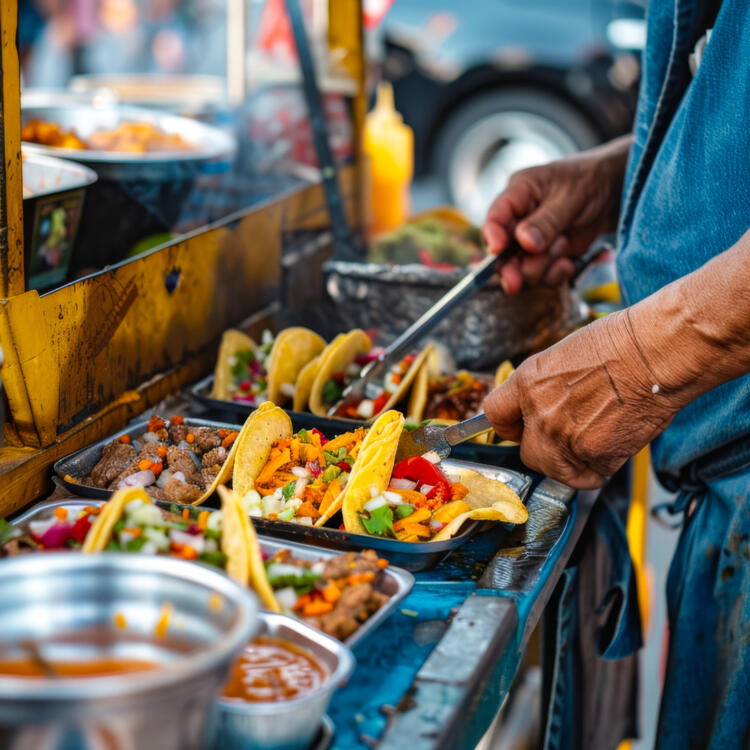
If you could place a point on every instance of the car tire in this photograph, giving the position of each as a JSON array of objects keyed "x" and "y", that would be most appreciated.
[{"x": 490, "y": 136}]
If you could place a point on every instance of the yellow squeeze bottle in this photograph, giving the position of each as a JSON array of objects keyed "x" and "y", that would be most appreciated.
[{"x": 389, "y": 144}]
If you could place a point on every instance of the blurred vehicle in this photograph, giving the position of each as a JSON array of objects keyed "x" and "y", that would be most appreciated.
[{"x": 493, "y": 86}]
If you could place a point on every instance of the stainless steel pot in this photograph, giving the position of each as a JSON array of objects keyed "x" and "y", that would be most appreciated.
[
  {"x": 286, "y": 725},
  {"x": 67, "y": 605},
  {"x": 482, "y": 332}
]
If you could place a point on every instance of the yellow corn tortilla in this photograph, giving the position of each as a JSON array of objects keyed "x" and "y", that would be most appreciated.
[
  {"x": 304, "y": 384},
  {"x": 231, "y": 342},
  {"x": 239, "y": 543},
  {"x": 339, "y": 354},
  {"x": 100, "y": 533},
  {"x": 267, "y": 424},
  {"x": 292, "y": 350},
  {"x": 488, "y": 499}
]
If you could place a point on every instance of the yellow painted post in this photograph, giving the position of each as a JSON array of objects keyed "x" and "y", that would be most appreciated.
[{"x": 11, "y": 180}]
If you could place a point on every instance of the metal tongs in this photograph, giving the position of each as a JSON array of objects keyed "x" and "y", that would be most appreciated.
[{"x": 366, "y": 386}]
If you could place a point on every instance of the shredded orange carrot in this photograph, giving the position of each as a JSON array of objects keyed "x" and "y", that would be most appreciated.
[
  {"x": 124, "y": 439},
  {"x": 163, "y": 623},
  {"x": 303, "y": 601},
  {"x": 190, "y": 438},
  {"x": 460, "y": 491},
  {"x": 136, "y": 531},
  {"x": 228, "y": 441},
  {"x": 317, "y": 607},
  {"x": 161, "y": 451},
  {"x": 331, "y": 593},
  {"x": 203, "y": 519},
  {"x": 272, "y": 466},
  {"x": 186, "y": 514},
  {"x": 308, "y": 509},
  {"x": 144, "y": 464},
  {"x": 410, "y": 496},
  {"x": 332, "y": 493},
  {"x": 61, "y": 514},
  {"x": 382, "y": 563},
  {"x": 91, "y": 510},
  {"x": 188, "y": 553}
]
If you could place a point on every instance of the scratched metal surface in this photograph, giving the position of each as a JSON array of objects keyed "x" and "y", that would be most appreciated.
[{"x": 455, "y": 634}]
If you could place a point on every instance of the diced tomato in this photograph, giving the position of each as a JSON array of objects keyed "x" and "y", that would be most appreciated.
[
  {"x": 157, "y": 467},
  {"x": 124, "y": 439},
  {"x": 323, "y": 438},
  {"x": 379, "y": 403},
  {"x": 245, "y": 385},
  {"x": 177, "y": 420},
  {"x": 80, "y": 529},
  {"x": 420, "y": 470}
]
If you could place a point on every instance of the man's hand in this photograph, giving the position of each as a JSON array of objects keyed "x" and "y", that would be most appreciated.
[
  {"x": 556, "y": 211},
  {"x": 583, "y": 407}
]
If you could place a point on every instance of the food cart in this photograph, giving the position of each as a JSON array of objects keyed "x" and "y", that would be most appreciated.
[{"x": 84, "y": 359}]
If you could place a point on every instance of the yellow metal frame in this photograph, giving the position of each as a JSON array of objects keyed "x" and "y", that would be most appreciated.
[{"x": 83, "y": 359}]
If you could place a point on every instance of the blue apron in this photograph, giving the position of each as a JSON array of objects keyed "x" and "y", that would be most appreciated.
[{"x": 687, "y": 199}]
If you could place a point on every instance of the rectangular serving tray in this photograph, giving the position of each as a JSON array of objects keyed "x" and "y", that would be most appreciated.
[
  {"x": 80, "y": 463},
  {"x": 500, "y": 455},
  {"x": 412, "y": 556},
  {"x": 398, "y": 582}
]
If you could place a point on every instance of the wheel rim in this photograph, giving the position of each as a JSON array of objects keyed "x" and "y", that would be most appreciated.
[{"x": 490, "y": 151}]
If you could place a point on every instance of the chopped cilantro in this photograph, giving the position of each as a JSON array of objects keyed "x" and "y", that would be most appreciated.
[
  {"x": 402, "y": 511},
  {"x": 288, "y": 490},
  {"x": 302, "y": 582},
  {"x": 380, "y": 522},
  {"x": 217, "y": 559},
  {"x": 332, "y": 392},
  {"x": 113, "y": 546},
  {"x": 213, "y": 534},
  {"x": 133, "y": 545},
  {"x": 119, "y": 526}
]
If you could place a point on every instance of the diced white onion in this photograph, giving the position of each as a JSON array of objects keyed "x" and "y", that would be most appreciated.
[
  {"x": 425, "y": 489},
  {"x": 281, "y": 570},
  {"x": 149, "y": 548},
  {"x": 187, "y": 540},
  {"x": 304, "y": 520},
  {"x": 393, "y": 498},
  {"x": 389, "y": 386},
  {"x": 453, "y": 477},
  {"x": 214, "y": 521},
  {"x": 299, "y": 486},
  {"x": 211, "y": 545},
  {"x": 432, "y": 457},
  {"x": 366, "y": 408},
  {"x": 293, "y": 502},
  {"x": 436, "y": 524},
  {"x": 126, "y": 536},
  {"x": 140, "y": 479},
  {"x": 232, "y": 360},
  {"x": 163, "y": 478},
  {"x": 132, "y": 506},
  {"x": 376, "y": 502},
  {"x": 318, "y": 567},
  {"x": 145, "y": 514},
  {"x": 157, "y": 537},
  {"x": 267, "y": 337},
  {"x": 255, "y": 512},
  {"x": 286, "y": 597},
  {"x": 403, "y": 484},
  {"x": 270, "y": 504},
  {"x": 287, "y": 389},
  {"x": 277, "y": 495},
  {"x": 300, "y": 471},
  {"x": 150, "y": 437},
  {"x": 374, "y": 492}
]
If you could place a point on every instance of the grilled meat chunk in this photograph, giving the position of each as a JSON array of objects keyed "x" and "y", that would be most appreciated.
[
  {"x": 116, "y": 457},
  {"x": 177, "y": 491}
]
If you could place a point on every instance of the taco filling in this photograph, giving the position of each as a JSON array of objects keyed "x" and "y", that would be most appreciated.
[
  {"x": 303, "y": 476},
  {"x": 248, "y": 372},
  {"x": 421, "y": 500},
  {"x": 58, "y": 532},
  {"x": 366, "y": 408},
  {"x": 172, "y": 460},
  {"x": 335, "y": 595},
  {"x": 456, "y": 397}
]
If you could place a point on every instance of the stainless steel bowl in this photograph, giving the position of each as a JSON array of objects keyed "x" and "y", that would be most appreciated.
[
  {"x": 287, "y": 725},
  {"x": 67, "y": 605},
  {"x": 482, "y": 332},
  {"x": 212, "y": 145}
]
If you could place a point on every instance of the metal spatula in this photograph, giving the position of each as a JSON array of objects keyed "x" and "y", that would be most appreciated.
[{"x": 440, "y": 438}]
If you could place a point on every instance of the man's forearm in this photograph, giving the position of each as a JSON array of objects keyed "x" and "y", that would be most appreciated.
[{"x": 694, "y": 334}]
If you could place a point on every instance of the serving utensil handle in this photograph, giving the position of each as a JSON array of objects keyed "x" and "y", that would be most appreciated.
[{"x": 468, "y": 429}]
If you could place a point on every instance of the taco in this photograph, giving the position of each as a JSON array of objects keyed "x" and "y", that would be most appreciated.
[
  {"x": 415, "y": 500},
  {"x": 130, "y": 522},
  {"x": 293, "y": 477},
  {"x": 253, "y": 374},
  {"x": 343, "y": 362}
]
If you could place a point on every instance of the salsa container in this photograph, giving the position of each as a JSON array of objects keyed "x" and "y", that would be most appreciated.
[
  {"x": 397, "y": 585},
  {"x": 80, "y": 463},
  {"x": 500, "y": 455},
  {"x": 291, "y": 724},
  {"x": 66, "y": 604}
]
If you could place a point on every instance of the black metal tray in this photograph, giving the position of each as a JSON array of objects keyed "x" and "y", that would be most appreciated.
[
  {"x": 80, "y": 463},
  {"x": 497, "y": 455},
  {"x": 412, "y": 556},
  {"x": 398, "y": 583}
]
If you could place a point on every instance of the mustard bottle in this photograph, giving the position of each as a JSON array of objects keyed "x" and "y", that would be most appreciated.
[{"x": 389, "y": 144}]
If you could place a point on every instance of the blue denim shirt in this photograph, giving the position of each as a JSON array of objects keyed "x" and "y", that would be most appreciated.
[{"x": 687, "y": 189}]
